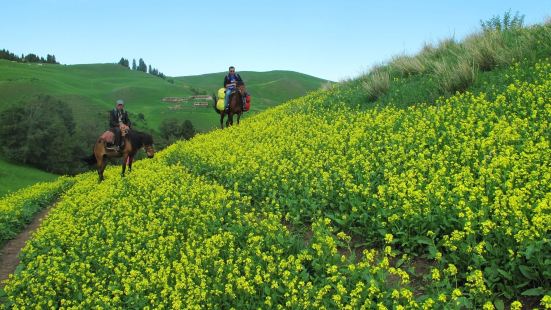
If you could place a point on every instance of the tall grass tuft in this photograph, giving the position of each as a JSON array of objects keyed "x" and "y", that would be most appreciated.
[
  {"x": 453, "y": 77},
  {"x": 408, "y": 66},
  {"x": 446, "y": 51},
  {"x": 444, "y": 48},
  {"x": 450, "y": 66},
  {"x": 486, "y": 49},
  {"x": 376, "y": 84}
]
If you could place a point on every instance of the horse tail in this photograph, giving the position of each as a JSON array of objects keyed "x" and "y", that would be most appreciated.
[{"x": 90, "y": 160}]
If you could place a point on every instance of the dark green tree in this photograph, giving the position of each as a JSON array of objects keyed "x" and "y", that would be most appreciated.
[
  {"x": 5, "y": 54},
  {"x": 51, "y": 59},
  {"x": 134, "y": 64},
  {"x": 124, "y": 62},
  {"x": 40, "y": 133},
  {"x": 142, "y": 66},
  {"x": 187, "y": 130},
  {"x": 172, "y": 130},
  {"x": 168, "y": 128},
  {"x": 31, "y": 58}
]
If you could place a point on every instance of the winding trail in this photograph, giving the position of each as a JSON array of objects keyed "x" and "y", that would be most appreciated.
[{"x": 9, "y": 254}]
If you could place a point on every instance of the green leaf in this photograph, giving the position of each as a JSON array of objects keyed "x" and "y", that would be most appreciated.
[
  {"x": 527, "y": 272},
  {"x": 529, "y": 251},
  {"x": 339, "y": 220},
  {"x": 424, "y": 240},
  {"x": 538, "y": 291},
  {"x": 432, "y": 251},
  {"x": 505, "y": 274},
  {"x": 523, "y": 284},
  {"x": 499, "y": 304}
]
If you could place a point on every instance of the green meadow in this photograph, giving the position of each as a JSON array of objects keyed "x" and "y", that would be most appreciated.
[
  {"x": 92, "y": 89},
  {"x": 14, "y": 177},
  {"x": 266, "y": 88}
]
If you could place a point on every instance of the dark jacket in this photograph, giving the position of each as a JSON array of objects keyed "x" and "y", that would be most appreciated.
[
  {"x": 114, "y": 118},
  {"x": 227, "y": 79}
]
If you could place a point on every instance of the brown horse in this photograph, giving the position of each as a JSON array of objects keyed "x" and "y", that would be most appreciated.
[
  {"x": 236, "y": 106},
  {"x": 133, "y": 142}
]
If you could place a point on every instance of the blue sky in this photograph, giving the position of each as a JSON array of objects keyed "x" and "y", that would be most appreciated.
[{"x": 334, "y": 40}]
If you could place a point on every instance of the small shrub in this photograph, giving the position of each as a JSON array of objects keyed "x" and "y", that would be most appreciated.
[
  {"x": 444, "y": 52},
  {"x": 407, "y": 66},
  {"x": 485, "y": 50},
  {"x": 497, "y": 23},
  {"x": 376, "y": 84},
  {"x": 453, "y": 77}
]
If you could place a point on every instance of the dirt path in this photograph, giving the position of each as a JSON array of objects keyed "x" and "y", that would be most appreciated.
[{"x": 9, "y": 253}]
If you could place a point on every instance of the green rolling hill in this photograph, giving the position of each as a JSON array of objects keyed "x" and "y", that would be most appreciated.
[
  {"x": 267, "y": 88},
  {"x": 91, "y": 90},
  {"x": 14, "y": 177}
]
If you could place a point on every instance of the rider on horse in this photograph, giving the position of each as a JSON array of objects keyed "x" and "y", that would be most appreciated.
[
  {"x": 119, "y": 123},
  {"x": 231, "y": 81}
]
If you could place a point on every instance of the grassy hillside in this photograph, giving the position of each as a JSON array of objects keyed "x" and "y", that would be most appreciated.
[
  {"x": 345, "y": 198},
  {"x": 91, "y": 90},
  {"x": 14, "y": 177},
  {"x": 267, "y": 88}
]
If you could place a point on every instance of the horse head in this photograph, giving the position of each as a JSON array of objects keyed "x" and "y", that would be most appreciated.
[
  {"x": 149, "y": 151},
  {"x": 241, "y": 88},
  {"x": 148, "y": 145}
]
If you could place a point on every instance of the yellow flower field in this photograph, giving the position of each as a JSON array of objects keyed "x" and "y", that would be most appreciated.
[
  {"x": 317, "y": 204},
  {"x": 18, "y": 208}
]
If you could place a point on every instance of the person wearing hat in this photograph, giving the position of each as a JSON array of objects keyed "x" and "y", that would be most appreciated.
[{"x": 119, "y": 121}]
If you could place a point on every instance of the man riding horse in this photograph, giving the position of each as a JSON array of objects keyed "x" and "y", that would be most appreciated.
[
  {"x": 231, "y": 82},
  {"x": 111, "y": 144},
  {"x": 119, "y": 124}
]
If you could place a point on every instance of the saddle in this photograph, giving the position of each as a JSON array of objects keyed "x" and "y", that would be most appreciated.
[{"x": 108, "y": 137}]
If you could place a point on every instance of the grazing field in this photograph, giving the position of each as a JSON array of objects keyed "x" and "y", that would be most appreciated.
[
  {"x": 91, "y": 91},
  {"x": 14, "y": 177},
  {"x": 267, "y": 88}
]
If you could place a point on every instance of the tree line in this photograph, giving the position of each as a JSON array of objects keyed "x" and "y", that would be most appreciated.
[
  {"x": 50, "y": 59},
  {"x": 141, "y": 66},
  {"x": 42, "y": 132}
]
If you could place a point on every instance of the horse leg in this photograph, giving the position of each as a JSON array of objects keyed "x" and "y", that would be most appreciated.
[
  {"x": 101, "y": 167},
  {"x": 130, "y": 159},
  {"x": 124, "y": 159},
  {"x": 238, "y": 117},
  {"x": 222, "y": 120}
]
